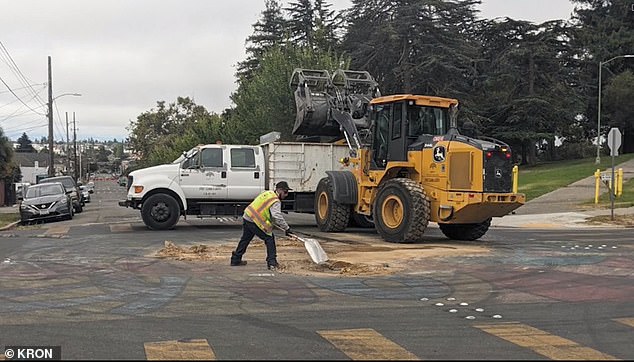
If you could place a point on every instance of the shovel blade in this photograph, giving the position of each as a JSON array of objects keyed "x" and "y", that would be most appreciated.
[{"x": 316, "y": 252}]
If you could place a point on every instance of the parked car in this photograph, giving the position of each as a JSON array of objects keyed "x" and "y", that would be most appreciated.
[
  {"x": 46, "y": 201},
  {"x": 85, "y": 193},
  {"x": 71, "y": 189},
  {"x": 123, "y": 181}
]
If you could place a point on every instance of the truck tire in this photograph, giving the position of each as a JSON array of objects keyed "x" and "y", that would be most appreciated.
[
  {"x": 160, "y": 212},
  {"x": 360, "y": 220},
  {"x": 468, "y": 232},
  {"x": 329, "y": 214},
  {"x": 401, "y": 211}
]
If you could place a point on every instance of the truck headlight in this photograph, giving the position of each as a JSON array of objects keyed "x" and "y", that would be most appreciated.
[{"x": 138, "y": 189}]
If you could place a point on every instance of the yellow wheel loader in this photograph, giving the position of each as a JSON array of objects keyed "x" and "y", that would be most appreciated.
[{"x": 410, "y": 165}]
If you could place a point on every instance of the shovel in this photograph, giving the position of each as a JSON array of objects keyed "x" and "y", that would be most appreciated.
[{"x": 315, "y": 250}]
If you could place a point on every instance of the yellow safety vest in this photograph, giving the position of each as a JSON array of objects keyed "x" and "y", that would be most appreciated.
[{"x": 258, "y": 210}]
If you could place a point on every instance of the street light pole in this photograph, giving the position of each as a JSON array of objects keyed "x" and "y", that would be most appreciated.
[{"x": 601, "y": 64}]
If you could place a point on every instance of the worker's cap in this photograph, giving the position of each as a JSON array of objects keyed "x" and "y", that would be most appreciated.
[{"x": 282, "y": 185}]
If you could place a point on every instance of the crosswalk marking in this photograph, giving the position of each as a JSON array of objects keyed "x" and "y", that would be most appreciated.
[
  {"x": 366, "y": 344},
  {"x": 181, "y": 350},
  {"x": 546, "y": 344},
  {"x": 57, "y": 230},
  {"x": 626, "y": 321},
  {"x": 118, "y": 228}
]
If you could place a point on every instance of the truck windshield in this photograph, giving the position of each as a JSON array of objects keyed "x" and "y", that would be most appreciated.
[
  {"x": 427, "y": 120},
  {"x": 186, "y": 155}
]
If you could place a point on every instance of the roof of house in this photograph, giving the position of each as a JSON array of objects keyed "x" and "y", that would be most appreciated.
[{"x": 27, "y": 159}]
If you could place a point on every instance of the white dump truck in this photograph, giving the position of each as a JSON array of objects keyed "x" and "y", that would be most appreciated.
[{"x": 218, "y": 180}]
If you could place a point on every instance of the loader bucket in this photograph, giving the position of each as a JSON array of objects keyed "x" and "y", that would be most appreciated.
[
  {"x": 312, "y": 100},
  {"x": 326, "y": 106}
]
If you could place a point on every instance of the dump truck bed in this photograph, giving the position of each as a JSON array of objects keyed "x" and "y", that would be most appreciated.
[{"x": 302, "y": 164}]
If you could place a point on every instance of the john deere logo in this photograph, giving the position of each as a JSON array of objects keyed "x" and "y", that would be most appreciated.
[{"x": 439, "y": 154}]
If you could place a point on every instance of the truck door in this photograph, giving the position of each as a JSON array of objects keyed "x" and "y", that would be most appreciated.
[
  {"x": 206, "y": 175},
  {"x": 246, "y": 173}
]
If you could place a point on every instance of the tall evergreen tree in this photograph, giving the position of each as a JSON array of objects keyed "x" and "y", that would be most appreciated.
[
  {"x": 24, "y": 144},
  {"x": 327, "y": 24},
  {"x": 268, "y": 31},
  {"x": 529, "y": 88},
  {"x": 413, "y": 46},
  {"x": 301, "y": 23},
  {"x": 605, "y": 29}
]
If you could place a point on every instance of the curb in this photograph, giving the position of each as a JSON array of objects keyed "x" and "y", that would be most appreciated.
[{"x": 10, "y": 226}]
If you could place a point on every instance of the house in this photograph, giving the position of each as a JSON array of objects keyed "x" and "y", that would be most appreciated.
[{"x": 31, "y": 165}]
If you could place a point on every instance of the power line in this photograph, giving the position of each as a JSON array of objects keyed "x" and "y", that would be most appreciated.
[
  {"x": 19, "y": 75},
  {"x": 20, "y": 99}
]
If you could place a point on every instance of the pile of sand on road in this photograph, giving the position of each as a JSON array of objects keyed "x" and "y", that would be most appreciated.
[{"x": 344, "y": 259}]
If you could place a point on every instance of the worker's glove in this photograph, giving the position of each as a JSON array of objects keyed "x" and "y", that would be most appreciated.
[{"x": 288, "y": 232}]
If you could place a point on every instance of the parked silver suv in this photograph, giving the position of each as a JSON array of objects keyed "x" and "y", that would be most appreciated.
[{"x": 71, "y": 189}]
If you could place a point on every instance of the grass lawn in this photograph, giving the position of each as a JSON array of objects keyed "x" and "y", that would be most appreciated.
[
  {"x": 544, "y": 178},
  {"x": 8, "y": 218}
]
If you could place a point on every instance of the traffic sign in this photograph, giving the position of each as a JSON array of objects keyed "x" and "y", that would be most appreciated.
[{"x": 614, "y": 141}]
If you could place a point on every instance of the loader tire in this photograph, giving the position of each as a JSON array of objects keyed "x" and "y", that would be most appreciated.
[
  {"x": 467, "y": 232},
  {"x": 160, "y": 212},
  {"x": 360, "y": 220},
  {"x": 401, "y": 211},
  {"x": 329, "y": 214}
]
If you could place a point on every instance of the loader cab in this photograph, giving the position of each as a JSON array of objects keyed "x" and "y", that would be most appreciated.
[{"x": 403, "y": 123}]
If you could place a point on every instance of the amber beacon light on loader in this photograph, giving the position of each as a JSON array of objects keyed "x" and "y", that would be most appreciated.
[{"x": 410, "y": 164}]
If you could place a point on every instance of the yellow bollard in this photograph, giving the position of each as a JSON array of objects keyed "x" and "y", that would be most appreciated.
[
  {"x": 597, "y": 185},
  {"x": 516, "y": 172}
]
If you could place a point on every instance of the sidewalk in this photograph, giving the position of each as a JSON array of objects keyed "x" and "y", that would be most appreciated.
[{"x": 565, "y": 207}]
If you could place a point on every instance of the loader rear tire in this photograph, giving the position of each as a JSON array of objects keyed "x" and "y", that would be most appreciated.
[
  {"x": 329, "y": 214},
  {"x": 468, "y": 232},
  {"x": 401, "y": 211}
]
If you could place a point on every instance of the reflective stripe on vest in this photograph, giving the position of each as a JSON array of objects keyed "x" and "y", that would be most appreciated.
[{"x": 258, "y": 210}]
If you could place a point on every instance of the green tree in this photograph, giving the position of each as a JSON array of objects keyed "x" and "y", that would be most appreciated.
[
  {"x": 619, "y": 107},
  {"x": 527, "y": 92},
  {"x": 24, "y": 144},
  {"x": 301, "y": 23},
  {"x": 159, "y": 128},
  {"x": 268, "y": 31},
  {"x": 266, "y": 103},
  {"x": 117, "y": 149},
  {"x": 604, "y": 29},
  {"x": 414, "y": 46},
  {"x": 206, "y": 130}
]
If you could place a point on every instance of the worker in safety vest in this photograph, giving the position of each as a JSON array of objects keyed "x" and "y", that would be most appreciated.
[{"x": 258, "y": 219}]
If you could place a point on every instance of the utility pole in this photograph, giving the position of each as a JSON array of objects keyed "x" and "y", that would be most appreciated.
[
  {"x": 51, "y": 151},
  {"x": 75, "y": 147},
  {"x": 67, "y": 148}
]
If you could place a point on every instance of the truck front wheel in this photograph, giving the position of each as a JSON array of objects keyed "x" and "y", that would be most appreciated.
[{"x": 160, "y": 212}]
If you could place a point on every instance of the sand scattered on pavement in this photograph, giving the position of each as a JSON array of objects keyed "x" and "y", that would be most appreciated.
[{"x": 359, "y": 259}]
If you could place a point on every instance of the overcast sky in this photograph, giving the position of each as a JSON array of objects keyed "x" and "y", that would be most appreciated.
[{"x": 125, "y": 55}]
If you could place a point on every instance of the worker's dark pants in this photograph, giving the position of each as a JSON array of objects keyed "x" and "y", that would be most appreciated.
[{"x": 249, "y": 230}]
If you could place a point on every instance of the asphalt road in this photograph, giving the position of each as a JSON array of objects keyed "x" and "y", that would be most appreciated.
[{"x": 92, "y": 286}]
